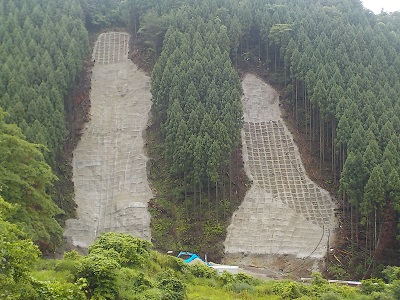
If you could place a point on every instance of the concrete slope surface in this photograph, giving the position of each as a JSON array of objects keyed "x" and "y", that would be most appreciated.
[
  {"x": 284, "y": 212},
  {"x": 109, "y": 164}
]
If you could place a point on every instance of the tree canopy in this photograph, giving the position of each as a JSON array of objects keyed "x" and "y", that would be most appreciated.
[
  {"x": 25, "y": 179},
  {"x": 338, "y": 64}
]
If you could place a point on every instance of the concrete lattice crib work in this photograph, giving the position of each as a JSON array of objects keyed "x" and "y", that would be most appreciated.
[
  {"x": 284, "y": 212},
  {"x": 109, "y": 164}
]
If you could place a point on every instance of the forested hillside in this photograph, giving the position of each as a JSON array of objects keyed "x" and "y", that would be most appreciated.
[
  {"x": 196, "y": 96},
  {"x": 42, "y": 47},
  {"x": 337, "y": 64},
  {"x": 43, "y": 44}
]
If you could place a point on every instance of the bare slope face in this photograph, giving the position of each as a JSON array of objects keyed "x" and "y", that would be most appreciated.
[
  {"x": 284, "y": 212},
  {"x": 109, "y": 165}
]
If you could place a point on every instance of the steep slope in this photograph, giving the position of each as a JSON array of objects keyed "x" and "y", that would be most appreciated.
[
  {"x": 284, "y": 212},
  {"x": 109, "y": 164}
]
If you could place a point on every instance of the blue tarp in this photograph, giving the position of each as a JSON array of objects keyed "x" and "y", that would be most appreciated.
[{"x": 190, "y": 256}]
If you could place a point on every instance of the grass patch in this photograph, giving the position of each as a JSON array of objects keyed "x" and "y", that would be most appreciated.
[
  {"x": 53, "y": 276},
  {"x": 204, "y": 292}
]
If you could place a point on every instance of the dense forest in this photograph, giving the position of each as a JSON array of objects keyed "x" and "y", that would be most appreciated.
[
  {"x": 336, "y": 63},
  {"x": 43, "y": 44}
]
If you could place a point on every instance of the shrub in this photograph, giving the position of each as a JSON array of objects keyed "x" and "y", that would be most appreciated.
[
  {"x": 331, "y": 296},
  {"x": 172, "y": 288},
  {"x": 132, "y": 251},
  {"x": 168, "y": 261},
  {"x": 242, "y": 277},
  {"x": 131, "y": 284},
  {"x": 57, "y": 291},
  {"x": 318, "y": 279},
  {"x": 381, "y": 296},
  {"x": 239, "y": 287},
  {"x": 11, "y": 290},
  {"x": 202, "y": 271},
  {"x": 227, "y": 278},
  {"x": 99, "y": 269},
  {"x": 395, "y": 289},
  {"x": 287, "y": 289},
  {"x": 72, "y": 255},
  {"x": 337, "y": 272},
  {"x": 391, "y": 273},
  {"x": 71, "y": 266},
  {"x": 212, "y": 229},
  {"x": 45, "y": 264},
  {"x": 372, "y": 285}
]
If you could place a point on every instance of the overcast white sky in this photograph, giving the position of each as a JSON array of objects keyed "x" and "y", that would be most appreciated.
[{"x": 387, "y": 5}]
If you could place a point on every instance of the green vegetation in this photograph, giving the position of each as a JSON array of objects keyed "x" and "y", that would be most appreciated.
[
  {"x": 196, "y": 100},
  {"x": 339, "y": 67},
  {"x": 339, "y": 78},
  {"x": 43, "y": 44},
  {"x": 337, "y": 64},
  {"x": 25, "y": 178},
  {"x": 122, "y": 267}
]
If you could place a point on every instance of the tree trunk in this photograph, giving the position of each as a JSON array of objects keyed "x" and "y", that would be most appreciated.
[
  {"x": 184, "y": 184},
  {"x": 230, "y": 183},
  {"x": 375, "y": 230},
  {"x": 209, "y": 198},
  {"x": 333, "y": 146},
  {"x": 200, "y": 198},
  {"x": 306, "y": 114},
  {"x": 311, "y": 128},
  {"x": 223, "y": 196},
  {"x": 194, "y": 197},
  {"x": 296, "y": 102},
  {"x": 216, "y": 200},
  {"x": 352, "y": 235},
  {"x": 321, "y": 139}
]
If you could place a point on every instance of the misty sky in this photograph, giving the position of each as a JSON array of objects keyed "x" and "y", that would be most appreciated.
[{"x": 387, "y": 5}]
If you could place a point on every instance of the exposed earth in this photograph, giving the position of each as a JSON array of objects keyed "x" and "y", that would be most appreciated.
[
  {"x": 285, "y": 219},
  {"x": 109, "y": 164},
  {"x": 285, "y": 223}
]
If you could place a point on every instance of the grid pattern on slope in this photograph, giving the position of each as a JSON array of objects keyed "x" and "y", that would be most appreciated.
[
  {"x": 111, "y": 47},
  {"x": 109, "y": 167},
  {"x": 274, "y": 167},
  {"x": 109, "y": 164}
]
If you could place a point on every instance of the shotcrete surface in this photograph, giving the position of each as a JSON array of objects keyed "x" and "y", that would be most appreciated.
[
  {"x": 284, "y": 212},
  {"x": 109, "y": 163}
]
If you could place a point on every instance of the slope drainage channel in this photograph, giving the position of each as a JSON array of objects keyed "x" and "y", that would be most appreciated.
[
  {"x": 284, "y": 212},
  {"x": 109, "y": 164}
]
